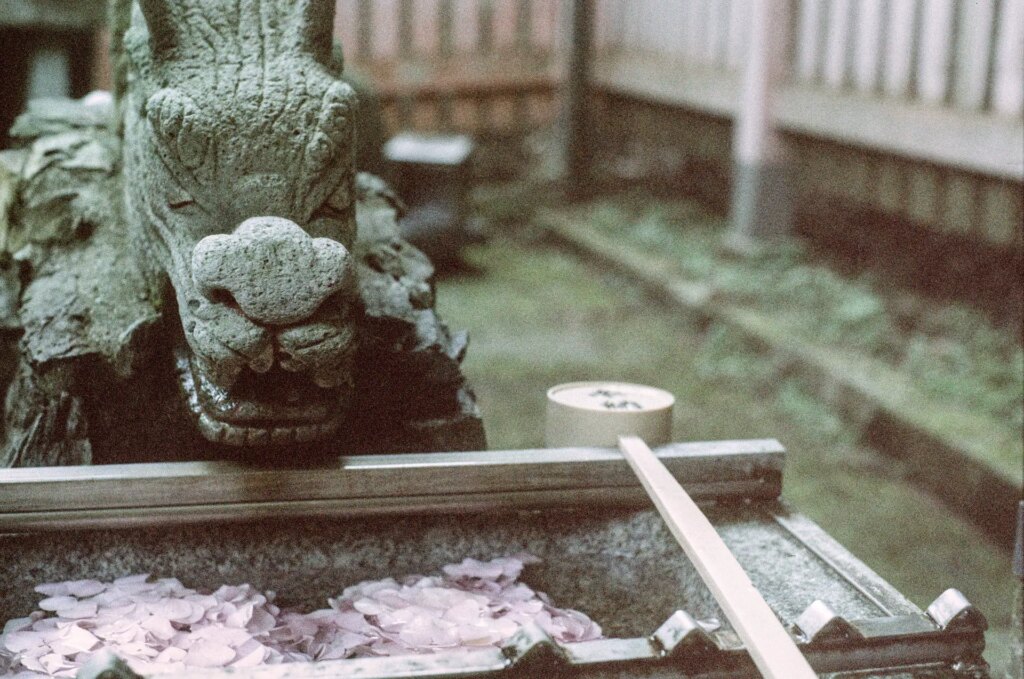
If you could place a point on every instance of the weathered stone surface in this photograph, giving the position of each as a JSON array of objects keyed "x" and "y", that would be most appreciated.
[
  {"x": 44, "y": 423},
  {"x": 377, "y": 209},
  {"x": 257, "y": 266},
  {"x": 216, "y": 281},
  {"x": 622, "y": 567},
  {"x": 10, "y": 294}
]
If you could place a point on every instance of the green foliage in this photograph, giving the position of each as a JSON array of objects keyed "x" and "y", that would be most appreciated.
[
  {"x": 724, "y": 356},
  {"x": 951, "y": 352}
]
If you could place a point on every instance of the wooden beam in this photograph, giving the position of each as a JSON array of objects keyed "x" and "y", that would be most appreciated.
[
  {"x": 157, "y": 493},
  {"x": 772, "y": 648}
]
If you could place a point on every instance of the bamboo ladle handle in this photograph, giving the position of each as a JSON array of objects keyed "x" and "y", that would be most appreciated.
[{"x": 769, "y": 644}]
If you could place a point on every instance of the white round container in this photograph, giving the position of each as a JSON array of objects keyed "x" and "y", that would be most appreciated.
[{"x": 597, "y": 413}]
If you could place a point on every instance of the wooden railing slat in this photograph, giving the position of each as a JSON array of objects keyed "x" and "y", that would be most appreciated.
[
  {"x": 717, "y": 29},
  {"x": 973, "y": 52},
  {"x": 868, "y": 49},
  {"x": 485, "y": 26},
  {"x": 934, "y": 50},
  {"x": 1008, "y": 76},
  {"x": 809, "y": 39},
  {"x": 837, "y": 37},
  {"x": 899, "y": 47},
  {"x": 364, "y": 20},
  {"x": 739, "y": 24},
  {"x": 523, "y": 30},
  {"x": 405, "y": 30},
  {"x": 445, "y": 42}
]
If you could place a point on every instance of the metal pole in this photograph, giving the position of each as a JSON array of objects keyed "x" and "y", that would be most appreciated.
[
  {"x": 578, "y": 145},
  {"x": 762, "y": 189}
]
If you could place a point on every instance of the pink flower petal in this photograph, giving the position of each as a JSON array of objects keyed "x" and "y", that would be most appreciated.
[
  {"x": 209, "y": 654},
  {"x": 171, "y": 654},
  {"x": 476, "y": 635},
  {"x": 172, "y": 609},
  {"x": 241, "y": 616},
  {"x": 463, "y": 612},
  {"x": 18, "y": 624},
  {"x": 261, "y": 621},
  {"x": 368, "y": 607},
  {"x": 52, "y": 662},
  {"x": 159, "y": 626},
  {"x": 226, "y": 636},
  {"x": 137, "y": 649},
  {"x": 79, "y": 609},
  {"x": 251, "y": 659},
  {"x": 16, "y": 642},
  {"x": 85, "y": 588},
  {"x": 53, "y": 588},
  {"x": 32, "y": 663},
  {"x": 56, "y": 602},
  {"x": 73, "y": 640},
  {"x": 163, "y": 624}
]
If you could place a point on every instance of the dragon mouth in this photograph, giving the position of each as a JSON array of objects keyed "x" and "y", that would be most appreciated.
[{"x": 273, "y": 408}]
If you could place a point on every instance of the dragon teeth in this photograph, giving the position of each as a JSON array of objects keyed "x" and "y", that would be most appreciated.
[{"x": 234, "y": 435}]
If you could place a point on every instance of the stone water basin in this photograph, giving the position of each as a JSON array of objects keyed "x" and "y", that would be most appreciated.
[{"x": 615, "y": 561}]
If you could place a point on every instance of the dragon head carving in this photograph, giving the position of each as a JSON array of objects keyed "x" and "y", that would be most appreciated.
[{"x": 239, "y": 172}]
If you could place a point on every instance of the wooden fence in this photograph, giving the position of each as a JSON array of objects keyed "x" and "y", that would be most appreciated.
[
  {"x": 912, "y": 107},
  {"x": 483, "y": 66},
  {"x": 476, "y": 66},
  {"x": 962, "y": 54}
]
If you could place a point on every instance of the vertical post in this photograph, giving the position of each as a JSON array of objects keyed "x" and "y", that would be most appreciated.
[
  {"x": 762, "y": 189},
  {"x": 364, "y": 16},
  {"x": 1017, "y": 646},
  {"x": 445, "y": 50},
  {"x": 522, "y": 43},
  {"x": 407, "y": 104},
  {"x": 578, "y": 145}
]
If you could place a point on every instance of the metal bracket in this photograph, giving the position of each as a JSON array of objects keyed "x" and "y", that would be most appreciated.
[
  {"x": 952, "y": 612},
  {"x": 820, "y": 623},
  {"x": 532, "y": 652},
  {"x": 683, "y": 637}
]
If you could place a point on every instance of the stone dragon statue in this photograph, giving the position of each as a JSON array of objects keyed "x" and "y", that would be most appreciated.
[{"x": 194, "y": 268}]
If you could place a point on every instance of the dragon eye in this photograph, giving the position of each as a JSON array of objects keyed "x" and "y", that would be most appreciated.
[{"x": 328, "y": 211}]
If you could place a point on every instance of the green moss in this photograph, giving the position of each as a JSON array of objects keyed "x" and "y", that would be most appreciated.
[{"x": 951, "y": 352}]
